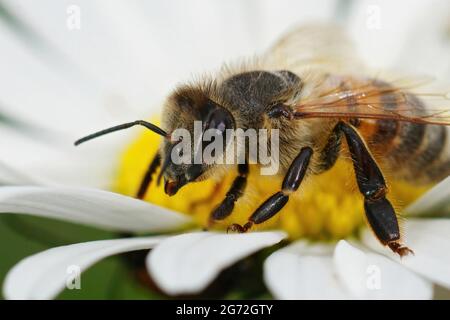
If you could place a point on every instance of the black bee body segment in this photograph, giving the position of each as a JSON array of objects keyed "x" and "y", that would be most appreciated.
[
  {"x": 259, "y": 88},
  {"x": 252, "y": 94},
  {"x": 225, "y": 208},
  {"x": 147, "y": 180},
  {"x": 331, "y": 151},
  {"x": 276, "y": 202},
  {"x": 371, "y": 183}
]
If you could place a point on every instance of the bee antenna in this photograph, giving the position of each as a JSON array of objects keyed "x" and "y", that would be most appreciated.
[{"x": 123, "y": 126}]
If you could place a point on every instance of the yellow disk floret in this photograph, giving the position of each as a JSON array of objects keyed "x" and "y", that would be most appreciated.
[{"x": 327, "y": 206}]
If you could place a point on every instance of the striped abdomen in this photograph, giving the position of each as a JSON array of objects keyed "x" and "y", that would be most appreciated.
[{"x": 410, "y": 151}]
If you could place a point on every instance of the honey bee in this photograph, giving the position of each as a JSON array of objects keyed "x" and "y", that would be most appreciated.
[{"x": 306, "y": 87}]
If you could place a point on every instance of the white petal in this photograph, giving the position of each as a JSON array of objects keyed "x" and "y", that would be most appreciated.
[
  {"x": 55, "y": 163},
  {"x": 90, "y": 206},
  {"x": 12, "y": 176},
  {"x": 53, "y": 97},
  {"x": 303, "y": 271},
  {"x": 45, "y": 274},
  {"x": 139, "y": 74},
  {"x": 376, "y": 25},
  {"x": 430, "y": 241},
  {"x": 189, "y": 262},
  {"x": 435, "y": 201},
  {"x": 368, "y": 275},
  {"x": 426, "y": 48}
]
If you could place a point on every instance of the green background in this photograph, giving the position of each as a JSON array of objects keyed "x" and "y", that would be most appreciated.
[{"x": 21, "y": 236}]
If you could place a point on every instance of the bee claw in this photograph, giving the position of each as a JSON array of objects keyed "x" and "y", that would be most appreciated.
[
  {"x": 401, "y": 250},
  {"x": 237, "y": 228}
]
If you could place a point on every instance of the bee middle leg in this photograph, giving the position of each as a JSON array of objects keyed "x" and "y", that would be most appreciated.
[
  {"x": 371, "y": 183},
  {"x": 236, "y": 190},
  {"x": 276, "y": 202}
]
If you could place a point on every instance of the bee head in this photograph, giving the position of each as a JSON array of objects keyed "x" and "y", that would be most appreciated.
[
  {"x": 188, "y": 116},
  {"x": 194, "y": 122}
]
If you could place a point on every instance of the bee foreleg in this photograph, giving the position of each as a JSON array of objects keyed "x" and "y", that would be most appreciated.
[
  {"x": 276, "y": 202},
  {"x": 225, "y": 208},
  {"x": 156, "y": 162},
  {"x": 371, "y": 183}
]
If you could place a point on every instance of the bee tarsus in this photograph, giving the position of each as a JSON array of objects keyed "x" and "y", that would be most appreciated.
[
  {"x": 235, "y": 227},
  {"x": 401, "y": 250}
]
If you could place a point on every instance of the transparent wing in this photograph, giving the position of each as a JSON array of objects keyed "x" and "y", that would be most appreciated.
[
  {"x": 373, "y": 99},
  {"x": 314, "y": 46},
  {"x": 320, "y": 54}
]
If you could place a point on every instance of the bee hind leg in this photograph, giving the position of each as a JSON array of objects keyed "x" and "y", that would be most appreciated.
[
  {"x": 276, "y": 202},
  {"x": 371, "y": 183}
]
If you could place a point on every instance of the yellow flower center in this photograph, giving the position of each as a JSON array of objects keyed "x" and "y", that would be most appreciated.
[{"x": 326, "y": 207}]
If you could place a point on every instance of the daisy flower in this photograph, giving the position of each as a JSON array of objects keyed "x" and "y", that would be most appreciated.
[{"x": 109, "y": 62}]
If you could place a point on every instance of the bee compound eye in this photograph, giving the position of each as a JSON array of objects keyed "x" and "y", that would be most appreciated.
[{"x": 219, "y": 119}]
